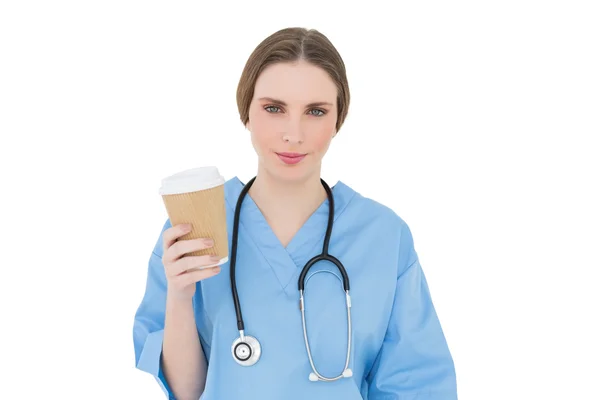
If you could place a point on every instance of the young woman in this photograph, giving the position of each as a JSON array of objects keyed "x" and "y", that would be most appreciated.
[{"x": 365, "y": 327}]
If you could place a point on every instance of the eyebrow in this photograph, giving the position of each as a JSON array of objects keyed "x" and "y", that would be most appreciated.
[{"x": 283, "y": 103}]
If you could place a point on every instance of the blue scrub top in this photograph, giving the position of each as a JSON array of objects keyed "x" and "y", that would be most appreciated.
[{"x": 398, "y": 348}]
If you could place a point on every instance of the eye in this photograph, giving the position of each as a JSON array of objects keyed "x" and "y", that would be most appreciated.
[
  {"x": 271, "y": 108},
  {"x": 318, "y": 110}
]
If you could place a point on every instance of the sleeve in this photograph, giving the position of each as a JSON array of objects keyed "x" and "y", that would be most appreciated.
[
  {"x": 150, "y": 318},
  {"x": 414, "y": 361}
]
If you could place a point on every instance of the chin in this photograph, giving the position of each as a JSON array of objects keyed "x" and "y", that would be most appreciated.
[{"x": 290, "y": 173}]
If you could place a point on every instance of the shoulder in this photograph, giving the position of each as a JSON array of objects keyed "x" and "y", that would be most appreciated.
[
  {"x": 375, "y": 210},
  {"x": 386, "y": 223}
]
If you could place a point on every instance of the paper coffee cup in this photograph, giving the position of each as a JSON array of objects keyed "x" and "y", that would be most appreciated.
[{"x": 197, "y": 196}]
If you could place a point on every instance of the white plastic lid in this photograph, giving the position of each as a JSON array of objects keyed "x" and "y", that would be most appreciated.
[{"x": 191, "y": 180}]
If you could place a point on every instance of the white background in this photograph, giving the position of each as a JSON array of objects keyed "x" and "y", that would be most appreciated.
[{"x": 477, "y": 122}]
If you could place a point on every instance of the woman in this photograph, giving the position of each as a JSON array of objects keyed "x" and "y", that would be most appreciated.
[{"x": 293, "y": 98}]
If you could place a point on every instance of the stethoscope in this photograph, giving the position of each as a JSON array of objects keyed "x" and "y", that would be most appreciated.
[{"x": 246, "y": 349}]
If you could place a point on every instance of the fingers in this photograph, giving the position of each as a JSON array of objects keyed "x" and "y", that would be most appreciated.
[
  {"x": 182, "y": 270},
  {"x": 182, "y": 247},
  {"x": 184, "y": 264},
  {"x": 182, "y": 281},
  {"x": 171, "y": 235}
]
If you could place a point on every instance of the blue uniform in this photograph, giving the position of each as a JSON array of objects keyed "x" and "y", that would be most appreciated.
[{"x": 399, "y": 351}]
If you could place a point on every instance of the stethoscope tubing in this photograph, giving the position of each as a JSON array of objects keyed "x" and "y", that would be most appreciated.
[{"x": 324, "y": 256}]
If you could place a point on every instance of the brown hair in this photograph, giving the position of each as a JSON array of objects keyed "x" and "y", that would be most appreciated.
[{"x": 290, "y": 45}]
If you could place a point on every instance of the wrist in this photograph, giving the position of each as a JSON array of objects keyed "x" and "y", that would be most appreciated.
[{"x": 175, "y": 300}]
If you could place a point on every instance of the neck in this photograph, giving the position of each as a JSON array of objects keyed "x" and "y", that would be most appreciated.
[{"x": 287, "y": 201}]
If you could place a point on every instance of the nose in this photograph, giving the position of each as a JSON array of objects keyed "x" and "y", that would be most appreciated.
[
  {"x": 293, "y": 133},
  {"x": 292, "y": 139}
]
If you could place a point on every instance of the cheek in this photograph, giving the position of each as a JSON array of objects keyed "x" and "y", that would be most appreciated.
[
  {"x": 262, "y": 130},
  {"x": 322, "y": 141},
  {"x": 323, "y": 136}
]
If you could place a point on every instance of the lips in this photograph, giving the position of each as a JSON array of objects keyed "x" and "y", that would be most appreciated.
[{"x": 291, "y": 158}]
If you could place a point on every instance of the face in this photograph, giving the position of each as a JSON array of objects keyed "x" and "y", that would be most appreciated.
[{"x": 292, "y": 119}]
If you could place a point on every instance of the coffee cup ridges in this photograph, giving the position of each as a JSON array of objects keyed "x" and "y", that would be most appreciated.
[{"x": 197, "y": 196}]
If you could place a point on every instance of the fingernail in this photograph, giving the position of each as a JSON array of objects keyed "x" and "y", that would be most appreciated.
[
  {"x": 216, "y": 269},
  {"x": 215, "y": 258},
  {"x": 208, "y": 242}
]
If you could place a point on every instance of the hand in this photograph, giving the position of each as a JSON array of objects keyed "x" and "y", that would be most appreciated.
[{"x": 179, "y": 268}]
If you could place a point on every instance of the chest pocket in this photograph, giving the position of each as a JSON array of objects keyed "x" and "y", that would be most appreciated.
[{"x": 327, "y": 320}]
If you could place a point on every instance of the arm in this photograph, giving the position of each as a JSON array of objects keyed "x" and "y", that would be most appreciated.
[
  {"x": 165, "y": 337},
  {"x": 414, "y": 361},
  {"x": 183, "y": 359}
]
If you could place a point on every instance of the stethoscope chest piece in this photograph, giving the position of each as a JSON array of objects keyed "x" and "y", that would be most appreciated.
[{"x": 246, "y": 350}]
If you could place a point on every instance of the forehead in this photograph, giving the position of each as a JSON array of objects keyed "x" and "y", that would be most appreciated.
[{"x": 298, "y": 82}]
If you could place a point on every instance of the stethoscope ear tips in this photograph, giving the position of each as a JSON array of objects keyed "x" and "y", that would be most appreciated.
[
  {"x": 313, "y": 377},
  {"x": 347, "y": 373}
]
